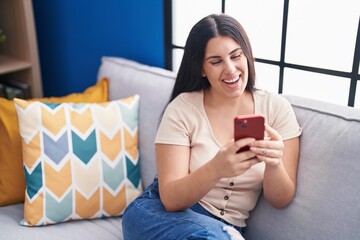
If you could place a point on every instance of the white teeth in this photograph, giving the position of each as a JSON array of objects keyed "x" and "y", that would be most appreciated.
[{"x": 231, "y": 80}]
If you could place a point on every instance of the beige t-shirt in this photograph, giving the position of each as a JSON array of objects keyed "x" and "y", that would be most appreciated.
[{"x": 185, "y": 123}]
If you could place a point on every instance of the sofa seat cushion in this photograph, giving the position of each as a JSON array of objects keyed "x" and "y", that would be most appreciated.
[{"x": 95, "y": 229}]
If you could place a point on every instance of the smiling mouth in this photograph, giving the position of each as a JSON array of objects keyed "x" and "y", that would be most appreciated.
[{"x": 231, "y": 81}]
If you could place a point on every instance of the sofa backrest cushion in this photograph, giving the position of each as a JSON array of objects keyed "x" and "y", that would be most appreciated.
[
  {"x": 326, "y": 205},
  {"x": 154, "y": 85}
]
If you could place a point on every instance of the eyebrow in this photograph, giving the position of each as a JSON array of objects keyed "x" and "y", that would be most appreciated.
[{"x": 236, "y": 49}]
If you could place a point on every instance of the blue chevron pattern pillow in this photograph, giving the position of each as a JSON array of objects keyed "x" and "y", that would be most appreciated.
[{"x": 81, "y": 161}]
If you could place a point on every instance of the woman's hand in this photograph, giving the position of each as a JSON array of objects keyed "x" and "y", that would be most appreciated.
[
  {"x": 229, "y": 163},
  {"x": 281, "y": 159},
  {"x": 180, "y": 189},
  {"x": 271, "y": 149}
]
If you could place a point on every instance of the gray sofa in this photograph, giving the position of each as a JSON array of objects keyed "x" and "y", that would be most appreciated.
[{"x": 326, "y": 205}]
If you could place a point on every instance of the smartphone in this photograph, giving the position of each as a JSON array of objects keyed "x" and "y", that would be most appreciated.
[{"x": 249, "y": 126}]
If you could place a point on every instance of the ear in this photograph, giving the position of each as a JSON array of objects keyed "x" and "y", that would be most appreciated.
[{"x": 203, "y": 73}]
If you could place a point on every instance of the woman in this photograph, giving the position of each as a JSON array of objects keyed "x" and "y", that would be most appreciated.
[{"x": 205, "y": 189}]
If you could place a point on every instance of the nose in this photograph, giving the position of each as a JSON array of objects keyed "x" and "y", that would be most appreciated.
[{"x": 229, "y": 67}]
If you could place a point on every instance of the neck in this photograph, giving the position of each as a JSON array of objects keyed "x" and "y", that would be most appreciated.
[{"x": 244, "y": 102}]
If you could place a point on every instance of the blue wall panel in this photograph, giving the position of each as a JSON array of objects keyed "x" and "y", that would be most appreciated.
[{"x": 74, "y": 35}]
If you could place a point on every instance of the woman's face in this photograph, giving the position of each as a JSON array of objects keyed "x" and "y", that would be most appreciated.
[{"x": 225, "y": 66}]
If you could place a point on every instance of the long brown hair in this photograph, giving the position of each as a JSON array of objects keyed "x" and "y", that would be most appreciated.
[{"x": 189, "y": 77}]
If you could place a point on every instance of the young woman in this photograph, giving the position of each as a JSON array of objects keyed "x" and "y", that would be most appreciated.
[{"x": 205, "y": 189}]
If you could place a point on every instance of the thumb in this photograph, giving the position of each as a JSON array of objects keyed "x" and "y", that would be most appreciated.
[{"x": 273, "y": 134}]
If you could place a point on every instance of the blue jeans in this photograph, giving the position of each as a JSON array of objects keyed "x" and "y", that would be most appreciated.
[{"x": 146, "y": 218}]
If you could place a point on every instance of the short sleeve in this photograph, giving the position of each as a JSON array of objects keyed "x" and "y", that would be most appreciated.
[
  {"x": 283, "y": 118},
  {"x": 174, "y": 125}
]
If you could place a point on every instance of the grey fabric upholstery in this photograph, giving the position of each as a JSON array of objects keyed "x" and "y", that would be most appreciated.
[{"x": 97, "y": 229}]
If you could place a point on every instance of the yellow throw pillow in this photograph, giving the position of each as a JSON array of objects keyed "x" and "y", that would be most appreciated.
[
  {"x": 81, "y": 160},
  {"x": 12, "y": 178}
]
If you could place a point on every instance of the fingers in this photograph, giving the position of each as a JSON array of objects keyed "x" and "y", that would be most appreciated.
[
  {"x": 249, "y": 163},
  {"x": 242, "y": 143},
  {"x": 233, "y": 163},
  {"x": 269, "y": 160},
  {"x": 264, "y": 152},
  {"x": 269, "y": 150}
]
